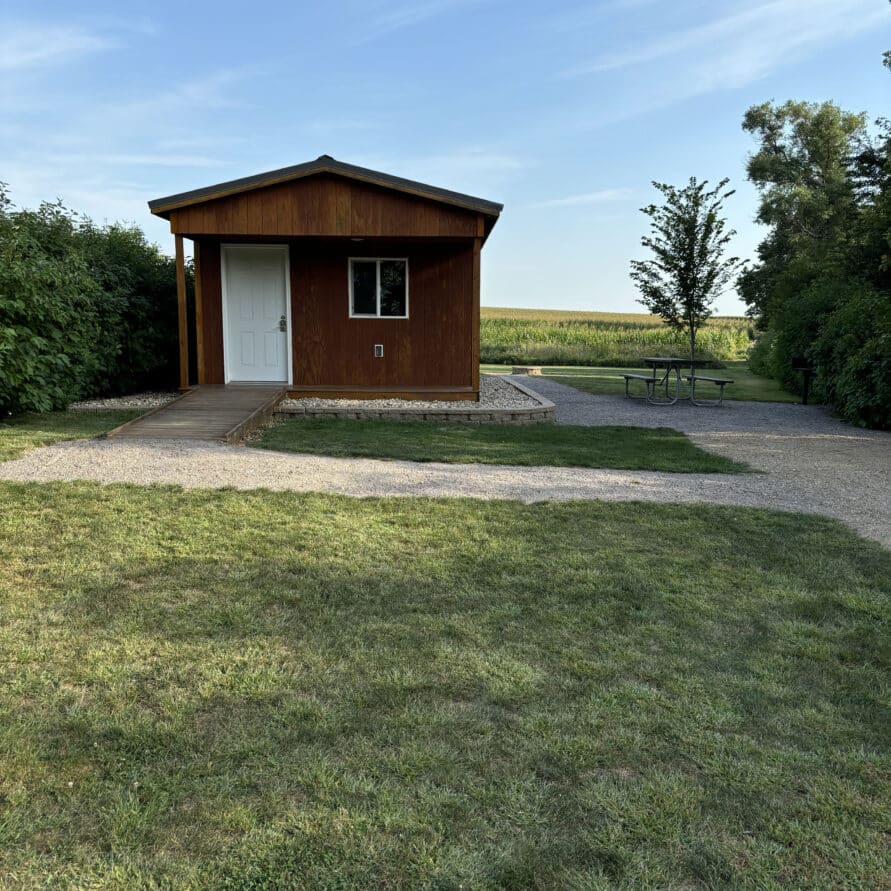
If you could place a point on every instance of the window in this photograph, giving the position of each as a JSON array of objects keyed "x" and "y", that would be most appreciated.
[{"x": 378, "y": 288}]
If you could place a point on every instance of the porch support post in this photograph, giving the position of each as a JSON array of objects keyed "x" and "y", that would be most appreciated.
[
  {"x": 183, "y": 315},
  {"x": 199, "y": 311},
  {"x": 475, "y": 316}
]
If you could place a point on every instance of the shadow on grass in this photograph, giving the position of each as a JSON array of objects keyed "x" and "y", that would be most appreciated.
[{"x": 258, "y": 689}]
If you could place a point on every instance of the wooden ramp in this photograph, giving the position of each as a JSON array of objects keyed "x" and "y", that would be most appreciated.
[{"x": 210, "y": 412}]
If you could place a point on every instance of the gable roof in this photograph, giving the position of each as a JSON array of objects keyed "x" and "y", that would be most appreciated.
[{"x": 324, "y": 164}]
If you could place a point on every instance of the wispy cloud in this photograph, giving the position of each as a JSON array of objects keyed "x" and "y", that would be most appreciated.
[
  {"x": 187, "y": 144},
  {"x": 162, "y": 159},
  {"x": 747, "y": 44},
  {"x": 214, "y": 90},
  {"x": 474, "y": 168},
  {"x": 601, "y": 197},
  {"x": 328, "y": 126},
  {"x": 26, "y": 46},
  {"x": 388, "y": 18},
  {"x": 583, "y": 17}
]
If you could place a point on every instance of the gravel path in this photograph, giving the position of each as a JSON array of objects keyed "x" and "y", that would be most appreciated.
[
  {"x": 814, "y": 464},
  {"x": 812, "y": 458}
]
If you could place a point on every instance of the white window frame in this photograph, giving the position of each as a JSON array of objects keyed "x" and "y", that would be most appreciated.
[{"x": 377, "y": 261}]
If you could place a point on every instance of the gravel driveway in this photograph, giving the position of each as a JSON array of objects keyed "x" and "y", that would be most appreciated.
[
  {"x": 812, "y": 458},
  {"x": 814, "y": 463}
]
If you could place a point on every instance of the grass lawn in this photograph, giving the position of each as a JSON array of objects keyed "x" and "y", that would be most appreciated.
[
  {"x": 246, "y": 690},
  {"x": 627, "y": 448},
  {"x": 746, "y": 385},
  {"x": 28, "y": 431}
]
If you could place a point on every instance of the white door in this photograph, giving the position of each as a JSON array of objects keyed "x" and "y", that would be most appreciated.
[{"x": 255, "y": 312}]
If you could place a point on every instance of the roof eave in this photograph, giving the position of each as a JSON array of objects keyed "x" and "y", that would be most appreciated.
[{"x": 162, "y": 207}]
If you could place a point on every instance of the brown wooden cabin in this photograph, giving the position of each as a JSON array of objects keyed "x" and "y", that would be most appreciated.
[{"x": 334, "y": 280}]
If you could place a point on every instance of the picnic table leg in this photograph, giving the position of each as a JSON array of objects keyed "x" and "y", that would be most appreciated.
[
  {"x": 668, "y": 400},
  {"x": 718, "y": 403}
]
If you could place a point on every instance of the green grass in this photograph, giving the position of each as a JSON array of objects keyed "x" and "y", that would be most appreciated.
[
  {"x": 269, "y": 690},
  {"x": 556, "y": 337},
  {"x": 626, "y": 448},
  {"x": 23, "y": 432},
  {"x": 746, "y": 386}
]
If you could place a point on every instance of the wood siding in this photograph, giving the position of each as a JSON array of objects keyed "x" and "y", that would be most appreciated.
[
  {"x": 431, "y": 348},
  {"x": 211, "y": 312},
  {"x": 435, "y": 348},
  {"x": 326, "y": 206}
]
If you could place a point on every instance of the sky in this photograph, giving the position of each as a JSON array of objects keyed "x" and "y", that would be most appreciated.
[{"x": 564, "y": 112}]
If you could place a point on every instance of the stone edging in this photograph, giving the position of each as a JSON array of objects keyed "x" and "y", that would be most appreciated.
[{"x": 543, "y": 412}]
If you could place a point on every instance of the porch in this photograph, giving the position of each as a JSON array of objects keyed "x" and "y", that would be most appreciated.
[{"x": 212, "y": 412}]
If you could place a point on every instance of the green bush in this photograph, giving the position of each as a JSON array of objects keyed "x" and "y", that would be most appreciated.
[
  {"x": 843, "y": 330},
  {"x": 761, "y": 355},
  {"x": 138, "y": 284},
  {"x": 84, "y": 311},
  {"x": 853, "y": 358},
  {"x": 795, "y": 327},
  {"x": 50, "y": 321}
]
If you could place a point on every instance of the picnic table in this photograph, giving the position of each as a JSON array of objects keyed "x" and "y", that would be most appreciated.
[{"x": 665, "y": 371}]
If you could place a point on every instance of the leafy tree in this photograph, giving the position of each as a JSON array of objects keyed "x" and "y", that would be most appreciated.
[
  {"x": 821, "y": 290},
  {"x": 688, "y": 238},
  {"x": 801, "y": 169}
]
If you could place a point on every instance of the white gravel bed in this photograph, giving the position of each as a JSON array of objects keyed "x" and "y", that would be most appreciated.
[
  {"x": 495, "y": 392},
  {"x": 134, "y": 400}
]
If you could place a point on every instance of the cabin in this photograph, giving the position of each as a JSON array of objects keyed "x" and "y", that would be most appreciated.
[{"x": 332, "y": 280}]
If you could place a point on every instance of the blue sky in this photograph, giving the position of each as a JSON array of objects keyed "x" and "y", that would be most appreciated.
[{"x": 562, "y": 111}]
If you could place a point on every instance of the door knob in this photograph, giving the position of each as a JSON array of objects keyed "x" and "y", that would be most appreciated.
[{"x": 282, "y": 324}]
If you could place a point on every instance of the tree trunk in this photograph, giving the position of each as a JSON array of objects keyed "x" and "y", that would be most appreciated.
[{"x": 692, "y": 351}]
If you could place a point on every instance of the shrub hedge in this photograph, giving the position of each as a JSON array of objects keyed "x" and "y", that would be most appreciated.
[{"x": 84, "y": 310}]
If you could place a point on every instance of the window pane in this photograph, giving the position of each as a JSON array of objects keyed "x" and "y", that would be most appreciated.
[
  {"x": 364, "y": 288},
  {"x": 393, "y": 287}
]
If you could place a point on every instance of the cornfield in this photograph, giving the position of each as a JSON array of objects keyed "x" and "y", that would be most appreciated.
[{"x": 554, "y": 337}]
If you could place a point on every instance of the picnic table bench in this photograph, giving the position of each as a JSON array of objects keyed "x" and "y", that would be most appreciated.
[
  {"x": 649, "y": 381},
  {"x": 666, "y": 371},
  {"x": 720, "y": 382}
]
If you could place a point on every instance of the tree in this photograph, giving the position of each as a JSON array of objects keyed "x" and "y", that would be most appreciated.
[
  {"x": 688, "y": 237},
  {"x": 801, "y": 169},
  {"x": 821, "y": 290}
]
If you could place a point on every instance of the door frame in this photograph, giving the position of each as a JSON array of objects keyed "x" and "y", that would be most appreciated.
[{"x": 284, "y": 249}]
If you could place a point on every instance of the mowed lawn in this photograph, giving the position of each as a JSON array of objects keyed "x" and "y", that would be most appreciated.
[
  {"x": 23, "y": 432},
  {"x": 746, "y": 386},
  {"x": 269, "y": 690},
  {"x": 626, "y": 448}
]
